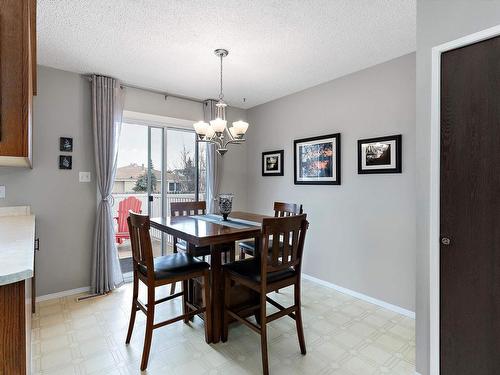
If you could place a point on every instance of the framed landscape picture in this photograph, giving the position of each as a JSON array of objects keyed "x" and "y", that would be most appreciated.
[
  {"x": 272, "y": 163},
  {"x": 317, "y": 160},
  {"x": 379, "y": 155}
]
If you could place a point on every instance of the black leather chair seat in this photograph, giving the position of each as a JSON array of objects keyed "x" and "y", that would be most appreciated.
[
  {"x": 174, "y": 265},
  {"x": 196, "y": 251},
  {"x": 249, "y": 246},
  {"x": 250, "y": 269}
]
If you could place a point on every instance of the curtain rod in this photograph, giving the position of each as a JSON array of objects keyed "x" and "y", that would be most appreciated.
[{"x": 165, "y": 94}]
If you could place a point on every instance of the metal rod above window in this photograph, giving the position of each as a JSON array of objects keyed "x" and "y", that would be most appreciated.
[{"x": 154, "y": 91}]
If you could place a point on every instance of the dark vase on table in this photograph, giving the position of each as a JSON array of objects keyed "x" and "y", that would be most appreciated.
[{"x": 225, "y": 204}]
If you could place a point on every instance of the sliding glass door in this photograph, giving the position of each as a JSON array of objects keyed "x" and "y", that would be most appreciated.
[
  {"x": 181, "y": 167},
  {"x": 157, "y": 165},
  {"x": 155, "y": 181}
]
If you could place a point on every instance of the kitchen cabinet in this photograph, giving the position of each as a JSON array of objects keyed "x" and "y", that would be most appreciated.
[
  {"x": 17, "y": 81},
  {"x": 17, "y": 242}
]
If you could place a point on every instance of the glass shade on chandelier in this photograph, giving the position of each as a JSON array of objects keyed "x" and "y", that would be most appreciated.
[
  {"x": 216, "y": 131},
  {"x": 219, "y": 125}
]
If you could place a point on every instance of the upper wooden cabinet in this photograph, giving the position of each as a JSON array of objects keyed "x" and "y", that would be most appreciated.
[
  {"x": 17, "y": 80},
  {"x": 33, "y": 43}
]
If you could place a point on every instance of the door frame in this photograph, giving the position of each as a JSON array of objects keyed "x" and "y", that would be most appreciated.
[{"x": 435, "y": 184}]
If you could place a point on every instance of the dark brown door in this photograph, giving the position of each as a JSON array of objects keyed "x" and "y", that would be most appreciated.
[{"x": 470, "y": 210}]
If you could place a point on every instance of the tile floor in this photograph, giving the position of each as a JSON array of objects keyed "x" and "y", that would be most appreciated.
[{"x": 344, "y": 335}]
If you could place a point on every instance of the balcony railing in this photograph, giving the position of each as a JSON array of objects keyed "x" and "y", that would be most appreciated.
[{"x": 155, "y": 205}]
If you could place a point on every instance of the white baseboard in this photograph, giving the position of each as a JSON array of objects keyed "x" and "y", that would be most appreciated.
[
  {"x": 64, "y": 293},
  {"x": 364, "y": 297}
]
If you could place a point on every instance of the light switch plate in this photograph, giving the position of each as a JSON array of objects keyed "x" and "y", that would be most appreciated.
[
  {"x": 2, "y": 191},
  {"x": 84, "y": 176}
]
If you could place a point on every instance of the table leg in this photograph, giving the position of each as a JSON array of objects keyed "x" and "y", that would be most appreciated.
[{"x": 216, "y": 290}]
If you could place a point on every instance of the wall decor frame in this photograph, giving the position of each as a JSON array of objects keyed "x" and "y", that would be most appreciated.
[
  {"x": 272, "y": 163},
  {"x": 317, "y": 160},
  {"x": 66, "y": 144},
  {"x": 380, "y": 155},
  {"x": 65, "y": 162}
]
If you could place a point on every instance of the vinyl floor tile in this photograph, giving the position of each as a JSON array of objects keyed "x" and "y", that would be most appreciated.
[{"x": 344, "y": 336}]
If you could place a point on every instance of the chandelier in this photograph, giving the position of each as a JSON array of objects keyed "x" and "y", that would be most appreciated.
[{"x": 217, "y": 132}]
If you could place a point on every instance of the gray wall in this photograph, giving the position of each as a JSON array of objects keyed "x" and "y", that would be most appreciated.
[
  {"x": 437, "y": 22},
  {"x": 156, "y": 104},
  {"x": 65, "y": 208},
  {"x": 234, "y": 166},
  {"x": 362, "y": 233}
]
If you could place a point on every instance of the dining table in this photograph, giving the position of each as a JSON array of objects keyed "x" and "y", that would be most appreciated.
[{"x": 211, "y": 230}]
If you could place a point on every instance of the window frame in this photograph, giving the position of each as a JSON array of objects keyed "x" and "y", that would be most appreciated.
[{"x": 165, "y": 122}]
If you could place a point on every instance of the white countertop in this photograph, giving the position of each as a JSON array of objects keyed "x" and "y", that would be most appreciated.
[{"x": 17, "y": 237}]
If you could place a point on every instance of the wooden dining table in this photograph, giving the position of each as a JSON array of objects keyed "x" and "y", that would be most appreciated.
[{"x": 211, "y": 230}]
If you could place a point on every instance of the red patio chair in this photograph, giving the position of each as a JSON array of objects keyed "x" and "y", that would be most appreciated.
[{"x": 130, "y": 203}]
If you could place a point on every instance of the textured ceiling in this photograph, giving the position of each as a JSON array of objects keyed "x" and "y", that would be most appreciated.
[{"x": 275, "y": 47}]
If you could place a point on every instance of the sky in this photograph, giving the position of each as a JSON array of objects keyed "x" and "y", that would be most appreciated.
[{"x": 133, "y": 146}]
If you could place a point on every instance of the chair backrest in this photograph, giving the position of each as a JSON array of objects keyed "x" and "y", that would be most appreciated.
[
  {"x": 188, "y": 208},
  {"x": 128, "y": 204},
  {"x": 287, "y": 209},
  {"x": 288, "y": 235},
  {"x": 142, "y": 251}
]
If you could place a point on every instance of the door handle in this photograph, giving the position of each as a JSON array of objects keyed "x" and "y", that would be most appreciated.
[{"x": 445, "y": 241}]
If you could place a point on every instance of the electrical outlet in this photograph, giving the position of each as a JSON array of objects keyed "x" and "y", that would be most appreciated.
[
  {"x": 84, "y": 176},
  {"x": 2, "y": 191}
]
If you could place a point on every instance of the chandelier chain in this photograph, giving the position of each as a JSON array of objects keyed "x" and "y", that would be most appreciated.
[
  {"x": 221, "y": 95},
  {"x": 216, "y": 132}
]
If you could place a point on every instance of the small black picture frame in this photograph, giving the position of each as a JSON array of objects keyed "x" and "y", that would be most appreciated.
[
  {"x": 65, "y": 162},
  {"x": 272, "y": 163},
  {"x": 316, "y": 160},
  {"x": 380, "y": 155},
  {"x": 66, "y": 144}
]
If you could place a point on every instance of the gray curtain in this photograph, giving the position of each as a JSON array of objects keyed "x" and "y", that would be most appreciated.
[
  {"x": 107, "y": 111},
  {"x": 214, "y": 162}
]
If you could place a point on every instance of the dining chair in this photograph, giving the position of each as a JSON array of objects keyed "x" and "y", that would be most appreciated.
[
  {"x": 266, "y": 273},
  {"x": 155, "y": 272},
  {"x": 191, "y": 209},
  {"x": 280, "y": 210}
]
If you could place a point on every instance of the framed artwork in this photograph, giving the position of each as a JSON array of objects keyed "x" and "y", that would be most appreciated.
[
  {"x": 66, "y": 144},
  {"x": 317, "y": 160},
  {"x": 272, "y": 163},
  {"x": 379, "y": 155},
  {"x": 65, "y": 162}
]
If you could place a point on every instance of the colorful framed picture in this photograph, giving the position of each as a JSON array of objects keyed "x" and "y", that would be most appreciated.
[
  {"x": 65, "y": 162},
  {"x": 272, "y": 163},
  {"x": 66, "y": 144},
  {"x": 317, "y": 160},
  {"x": 379, "y": 155}
]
